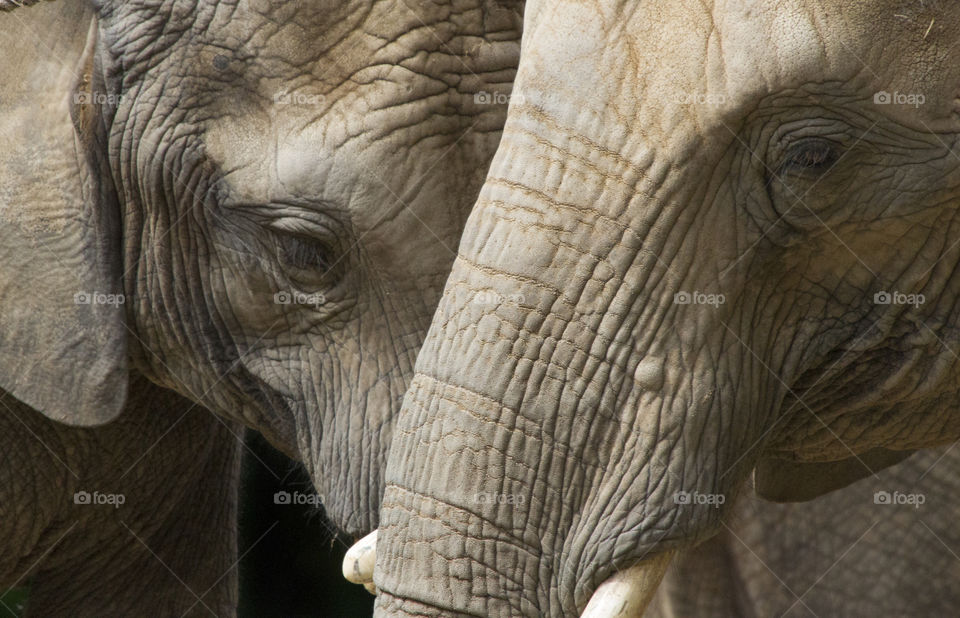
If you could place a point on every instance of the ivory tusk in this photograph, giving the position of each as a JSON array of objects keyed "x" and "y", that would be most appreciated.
[
  {"x": 627, "y": 594},
  {"x": 359, "y": 562}
]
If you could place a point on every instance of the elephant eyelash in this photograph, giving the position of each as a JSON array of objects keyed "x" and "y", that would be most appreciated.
[
  {"x": 305, "y": 254},
  {"x": 810, "y": 156}
]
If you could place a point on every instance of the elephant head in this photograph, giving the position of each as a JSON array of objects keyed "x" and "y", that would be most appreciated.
[
  {"x": 725, "y": 240},
  {"x": 251, "y": 203}
]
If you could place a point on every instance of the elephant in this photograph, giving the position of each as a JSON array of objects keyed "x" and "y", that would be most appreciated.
[
  {"x": 217, "y": 215},
  {"x": 725, "y": 241}
]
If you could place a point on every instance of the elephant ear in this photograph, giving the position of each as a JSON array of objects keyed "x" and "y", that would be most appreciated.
[
  {"x": 779, "y": 480},
  {"x": 62, "y": 325}
]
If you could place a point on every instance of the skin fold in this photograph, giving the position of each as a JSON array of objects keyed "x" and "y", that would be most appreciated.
[
  {"x": 276, "y": 190},
  {"x": 725, "y": 237}
]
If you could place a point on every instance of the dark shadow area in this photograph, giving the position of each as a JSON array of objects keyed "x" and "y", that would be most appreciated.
[
  {"x": 13, "y": 602},
  {"x": 292, "y": 564}
]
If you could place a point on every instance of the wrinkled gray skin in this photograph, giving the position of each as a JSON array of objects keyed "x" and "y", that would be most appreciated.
[
  {"x": 168, "y": 550},
  {"x": 202, "y": 159},
  {"x": 727, "y": 148},
  {"x": 839, "y": 555}
]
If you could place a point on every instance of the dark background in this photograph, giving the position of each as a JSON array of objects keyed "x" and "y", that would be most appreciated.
[{"x": 292, "y": 566}]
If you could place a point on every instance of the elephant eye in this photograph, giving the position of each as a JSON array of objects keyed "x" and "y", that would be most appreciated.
[
  {"x": 305, "y": 254},
  {"x": 810, "y": 156}
]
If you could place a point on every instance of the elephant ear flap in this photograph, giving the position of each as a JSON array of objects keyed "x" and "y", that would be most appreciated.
[
  {"x": 62, "y": 325},
  {"x": 778, "y": 480}
]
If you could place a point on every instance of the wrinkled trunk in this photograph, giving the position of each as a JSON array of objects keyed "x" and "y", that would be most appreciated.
[{"x": 565, "y": 420}]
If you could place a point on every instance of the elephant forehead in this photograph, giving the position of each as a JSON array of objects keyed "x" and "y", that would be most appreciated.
[
  {"x": 277, "y": 154},
  {"x": 361, "y": 87},
  {"x": 217, "y": 58},
  {"x": 330, "y": 44},
  {"x": 661, "y": 64},
  {"x": 385, "y": 182},
  {"x": 332, "y": 149},
  {"x": 865, "y": 47}
]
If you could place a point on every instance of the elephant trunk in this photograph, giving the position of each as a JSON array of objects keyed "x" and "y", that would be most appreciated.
[
  {"x": 574, "y": 415},
  {"x": 499, "y": 510},
  {"x": 536, "y": 457}
]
